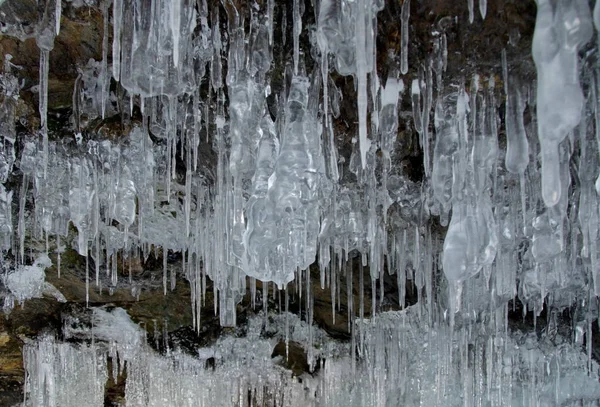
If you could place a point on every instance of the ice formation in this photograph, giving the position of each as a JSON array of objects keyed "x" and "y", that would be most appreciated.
[
  {"x": 401, "y": 360},
  {"x": 194, "y": 79}
]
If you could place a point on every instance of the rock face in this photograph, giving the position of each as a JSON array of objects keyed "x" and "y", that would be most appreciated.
[{"x": 436, "y": 26}]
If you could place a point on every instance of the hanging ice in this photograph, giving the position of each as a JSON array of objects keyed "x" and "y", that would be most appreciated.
[
  {"x": 283, "y": 228},
  {"x": 277, "y": 194},
  {"x": 560, "y": 31},
  {"x": 154, "y": 60},
  {"x": 404, "y": 34},
  {"x": 446, "y": 149},
  {"x": 346, "y": 29},
  {"x": 389, "y": 114}
]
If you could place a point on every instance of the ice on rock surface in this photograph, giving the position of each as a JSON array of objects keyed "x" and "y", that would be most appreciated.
[
  {"x": 201, "y": 138},
  {"x": 25, "y": 282}
]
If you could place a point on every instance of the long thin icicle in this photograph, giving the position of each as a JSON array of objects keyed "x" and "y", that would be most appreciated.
[
  {"x": 116, "y": 48},
  {"x": 361, "y": 76},
  {"x": 43, "y": 95},
  {"x": 405, "y": 15}
]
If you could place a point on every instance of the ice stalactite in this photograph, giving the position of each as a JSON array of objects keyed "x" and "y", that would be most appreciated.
[
  {"x": 446, "y": 149},
  {"x": 9, "y": 88},
  {"x": 46, "y": 32},
  {"x": 517, "y": 146},
  {"x": 451, "y": 214},
  {"x": 560, "y": 31},
  {"x": 150, "y": 65},
  {"x": 284, "y": 209},
  {"x": 471, "y": 241},
  {"x": 336, "y": 21},
  {"x": 404, "y": 34},
  {"x": 471, "y": 5}
]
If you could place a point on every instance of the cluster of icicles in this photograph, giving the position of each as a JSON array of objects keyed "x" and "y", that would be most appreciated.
[
  {"x": 280, "y": 198},
  {"x": 403, "y": 361}
]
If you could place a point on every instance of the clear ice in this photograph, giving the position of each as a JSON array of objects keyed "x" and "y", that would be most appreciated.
[{"x": 506, "y": 212}]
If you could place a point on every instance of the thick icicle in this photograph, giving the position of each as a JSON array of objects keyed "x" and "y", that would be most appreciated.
[{"x": 559, "y": 32}]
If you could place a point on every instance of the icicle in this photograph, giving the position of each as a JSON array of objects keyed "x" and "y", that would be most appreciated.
[
  {"x": 87, "y": 281},
  {"x": 427, "y": 105},
  {"x": 57, "y": 15},
  {"x": 596, "y": 103},
  {"x": 517, "y": 147},
  {"x": 270, "y": 15},
  {"x": 21, "y": 226},
  {"x": 523, "y": 201},
  {"x": 43, "y": 95},
  {"x": 283, "y": 24},
  {"x": 297, "y": 29},
  {"x": 175, "y": 20},
  {"x": 389, "y": 115},
  {"x": 483, "y": 8},
  {"x": 165, "y": 256},
  {"x": 361, "y": 75},
  {"x": 597, "y": 17},
  {"x": 116, "y": 47},
  {"x": 558, "y": 35},
  {"x": 405, "y": 15},
  {"x": 416, "y": 108},
  {"x": 58, "y": 252},
  {"x": 471, "y": 4},
  {"x": 104, "y": 79}
]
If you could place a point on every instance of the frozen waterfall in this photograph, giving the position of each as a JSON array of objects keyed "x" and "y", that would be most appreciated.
[{"x": 203, "y": 132}]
